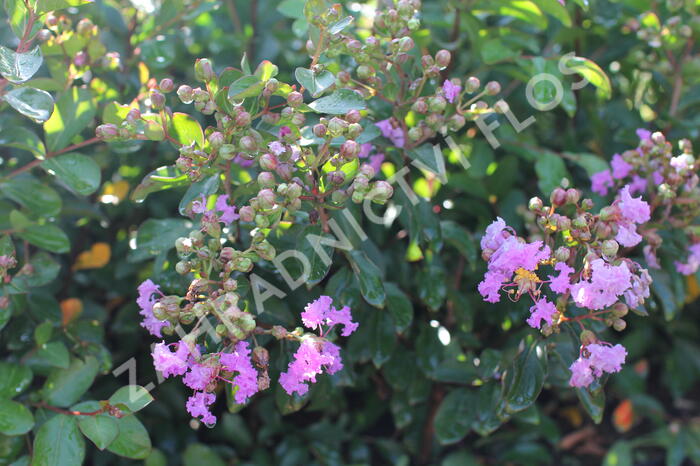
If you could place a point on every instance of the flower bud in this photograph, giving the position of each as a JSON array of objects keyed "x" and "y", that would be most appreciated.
[
  {"x": 43, "y": 35},
  {"x": 381, "y": 192},
  {"x": 349, "y": 149},
  {"x": 183, "y": 267},
  {"x": 365, "y": 72},
  {"x": 166, "y": 85},
  {"x": 619, "y": 325},
  {"x": 406, "y": 44},
  {"x": 472, "y": 84},
  {"x": 443, "y": 58},
  {"x": 610, "y": 248},
  {"x": 427, "y": 61},
  {"x": 320, "y": 130},
  {"x": 558, "y": 197},
  {"x": 353, "y": 116},
  {"x": 284, "y": 170},
  {"x": 587, "y": 337},
  {"x": 203, "y": 70},
  {"x": 415, "y": 133},
  {"x": 266, "y": 179},
  {"x": 294, "y": 190},
  {"x": 562, "y": 254},
  {"x": 268, "y": 162},
  {"x": 107, "y": 131},
  {"x": 295, "y": 99},
  {"x": 185, "y": 93},
  {"x": 266, "y": 198},
  {"x": 80, "y": 59},
  {"x": 157, "y": 99},
  {"x": 84, "y": 27},
  {"x": 337, "y": 126},
  {"x": 493, "y": 88},
  {"x": 420, "y": 106},
  {"x": 535, "y": 204},
  {"x": 456, "y": 122},
  {"x": 336, "y": 178},
  {"x": 227, "y": 151},
  {"x": 216, "y": 140},
  {"x": 573, "y": 196},
  {"x": 242, "y": 119},
  {"x": 247, "y": 214},
  {"x": 248, "y": 143}
]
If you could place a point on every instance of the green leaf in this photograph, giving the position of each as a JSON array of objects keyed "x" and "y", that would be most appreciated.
[
  {"x": 382, "y": 339},
  {"x": 44, "y": 271},
  {"x": 51, "y": 5},
  {"x": 620, "y": 454},
  {"x": 589, "y": 70},
  {"x": 79, "y": 172},
  {"x": 488, "y": 404},
  {"x": 32, "y": 103},
  {"x": 185, "y": 129},
  {"x": 74, "y": 110},
  {"x": 48, "y": 237},
  {"x": 339, "y": 25},
  {"x": 53, "y": 354},
  {"x": 493, "y": 51},
  {"x": 15, "y": 379},
  {"x": 556, "y": 9},
  {"x": 399, "y": 306},
  {"x": 313, "y": 8},
  {"x": 59, "y": 442},
  {"x": 197, "y": 454},
  {"x": 292, "y": 8},
  {"x": 43, "y": 332},
  {"x": 455, "y": 416},
  {"x": 524, "y": 379},
  {"x": 64, "y": 387},
  {"x": 338, "y": 103},
  {"x": 246, "y": 86},
  {"x": 133, "y": 440},
  {"x": 19, "y": 67},
  {"x": 134, "y": 397},
  {"x": 460, "y": 238},
  {"x": 156, "y": 236},
  {"x": 314, "y": 83},
  {"x": 22, "y": 138},
  {"x": 266, "y": 70},
  {"x": 593, "y": 401},
  {"x": 369, "y": 278},
  {"x": 15, "y": 418},
  {"x": 550, "y": 171},
  {"x": 101, "y": 428},
  {"x": 160, "y": 179},
  {"x": 305, "y": 245},
  {"x": 32, "y": 194},
  {"x": 205, "y": 187}
]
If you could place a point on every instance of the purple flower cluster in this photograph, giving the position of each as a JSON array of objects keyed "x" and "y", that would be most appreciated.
[
  {"x": 316, "y": 354},
  {"x": 391, "y": 130},
  {"x": 222, "y": 211},
  {"x": 595, "y": 360},
  {"x": 148, "y": 292}
]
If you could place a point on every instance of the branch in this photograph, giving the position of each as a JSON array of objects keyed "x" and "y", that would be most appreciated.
[{"x": 50, "y": 155}]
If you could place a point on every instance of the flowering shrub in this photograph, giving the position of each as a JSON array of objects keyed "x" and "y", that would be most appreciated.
[{"x": 281, "y": 204}]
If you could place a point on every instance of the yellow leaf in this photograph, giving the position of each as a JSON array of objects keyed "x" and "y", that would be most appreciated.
[
  {"x": 97, "y": 257},
  {"x": 693, "y": 289},
  {"x": 70, "y": 309}
]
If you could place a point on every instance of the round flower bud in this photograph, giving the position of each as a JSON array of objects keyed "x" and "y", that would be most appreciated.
[
  {"x": 381, "y": 192},
  {"x": 157, "y": 99},
  {"x": 51, "y": 20},
  {"x": 619, "y": 325},
  {"x": 558, "y": 197},
  {"x": 266, "y": 198},
  {"x": 294, "y": 190},
  {"x": 493, "y": 88},
  {"x": 203, "y": 70},
  {"x": 80, "y": 59},
  {"x": 587, "y": 337},
  {"x": 406, "y": 44},
  {"x": 295, "y": 99},
  {"x": 166, "y": 85},
  {"x": 415, "y": 133},
  {"x": 272, "y": 85},
  {"x": 247, "y": 214},
  {"x": 365, "y": 72},
  {"x": 437, "y": 104},
  {"x": 248, "y": 143},
  {"x": 535, "y": 204},
  {"x": 107, "y": 131},
  {"x": 420, "y": 106},
  {"x": 353, "y": 116},
  {"x": 320, "y": 130},
  {"x": 261, "y": 357},
  {"x": 43, "y": 35},
  {"x": 298, "y": 119},
  {"x": 427, "y": 61},
  {"x": 279, "y": 332},
  {"x": 336, "y": 177},
  {"x": 185, "y": 93},
  {"x": 337, "y": 126},
  {"x": 284, "y": 170},
  {"x": 443, "y": 58},
  {"x": 349, "y": 149},
  {"x": 658, "y": 138},
  {"x": 183, "y": 267},
  {"x": 227, "y": 151},
  {"x": 587, "y": 204},
  {"x": 610, "y": 248},
  {"x": 562, "y": 254},
  {"x": 84, "y": 27},
  {"x": 620, "y": 309},
  {"x": 573, "y": 196},
  {"x": 216, "y": 140},
  {"x": 268, "y": 162},
  {"x": 242, "y": 119},
  {"x": 472, "y": 84},
  {"x": 266, "y": 179}
]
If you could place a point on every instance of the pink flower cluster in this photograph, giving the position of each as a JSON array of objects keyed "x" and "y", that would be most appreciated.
[
  {"x": 148, "y": 291},
  {"x": 375, "y": 160},
  {"x": 391, "y": 130},
  {"x": 201, "y": 373},
  {"x": 316, "y": 354},
  {"x": 222, "y": 211},
  {"x": 595, "y": 360}
]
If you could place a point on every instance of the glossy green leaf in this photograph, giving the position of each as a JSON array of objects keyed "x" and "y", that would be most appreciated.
[
  {"x": 550, "y": 171},
  {"x": 382, "y": 339},
  {"x": 44, "y": 270},
  {"x": 197, "y": 453},
  {"x": 488, "y": 406},
  {"x": 73, "y": 112},
  {"x": 620, "y": 454},
  {"x": 64, "y": 387},
  {"x": 556, "y": 9},
  {"x": 185, "y": 129},
  {"x": 369, "y": 277},
  {"x": 589, "y": 70},
  {"x": 19, "y": 67},
  {"x": 341, "y": 24},
  {"x": 524, "y": 379},
  {"x": 593, "y": 401},
  {"x": 32, "y": 194},
  {"x": 101, "y": 429},
  {"x": 51, "y": 5},
  {"x": 79, "y": 172},
  {"x": 15, "y": 418},
  {"x": 32, "y": 103},
  {"x": 59, "y": 442},
  {"x": 205, "y": 187},
  {"x": 48, "y": 237},
  {"x": 52, "y": 354},
  {"x": 314, "y": 83},
  {"x": 246, "y": 86},
  {"x": 134, "y": 397},
  {"x": 454, "y": 417},
  {"x": 22, "y": 138},
  {"x": 292, "y": 8},
  {"x": 339, "y": 102},
  {"x": 399, "y": 306},
  {"x": 318, "y": 268},
  {"x": 15, "y": 379},
  {"x": 160, "y": 179}
]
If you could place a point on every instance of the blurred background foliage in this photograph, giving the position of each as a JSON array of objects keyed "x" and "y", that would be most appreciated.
[{"x": 423, "y": 382}]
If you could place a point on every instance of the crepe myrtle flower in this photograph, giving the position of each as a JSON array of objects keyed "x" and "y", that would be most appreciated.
[
  {"x": 692, "y": 263},
  {"x": 198, "y": 406},
  {"x": 321, "y": 312},
  {"x": 312, "y": 357},
  {"x": 222, "y": 211},
  {"x": 391, "y": 130},
  {"x": 596, "y": 359},
  {"x": 148, "y": 296},
  {"x": 451, "y": 90},
  {"x": 246, "y": 378}
]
